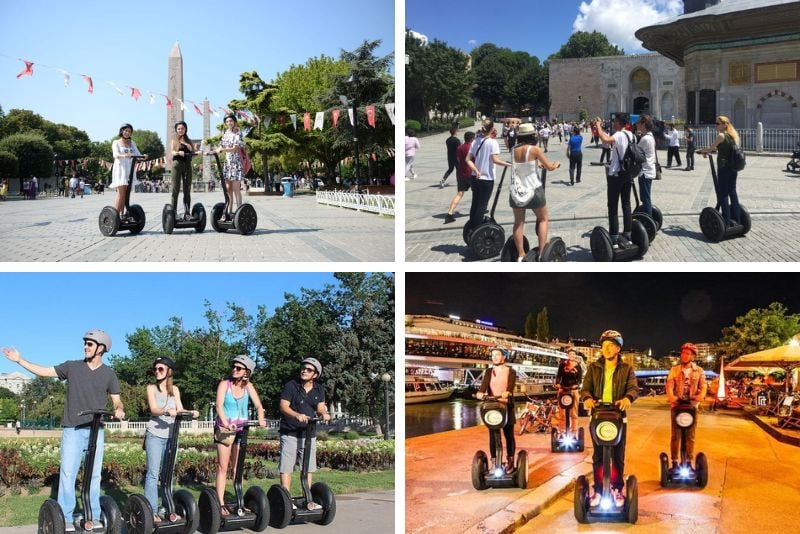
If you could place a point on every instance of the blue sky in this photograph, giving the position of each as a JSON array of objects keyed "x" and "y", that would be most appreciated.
[
  {"x": 128, "y": 43},
  {"x": 46, "y": 314},
  {"x": 540, "y": 27}
]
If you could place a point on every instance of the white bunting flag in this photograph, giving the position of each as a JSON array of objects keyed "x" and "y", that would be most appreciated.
[
  {"x": 66, "y": 77},
  {"x": 350, "y": 113},
  {"x": 294, "y": 120},
  {"x": 318, "y": 119},
  {"x": 390, "y": 112},
  {"x": 267, "y": 120},
  {"x": 152, "y": 98},
  {"x": 116, "y": 88}
]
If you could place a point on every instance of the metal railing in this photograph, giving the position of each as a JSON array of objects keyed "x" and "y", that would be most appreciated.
[
  {"x": 360, "y": 202},
  {"x": 780, "y": 140}
]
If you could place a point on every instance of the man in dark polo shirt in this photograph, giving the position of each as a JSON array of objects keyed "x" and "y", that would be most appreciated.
[
  {"x": 90, "y": 383},
  {"x": 464, "y": 175},
  {"x": 300, "y": 400}
]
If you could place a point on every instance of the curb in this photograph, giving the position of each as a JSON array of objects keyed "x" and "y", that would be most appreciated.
[{"x": 772, "y": 431}]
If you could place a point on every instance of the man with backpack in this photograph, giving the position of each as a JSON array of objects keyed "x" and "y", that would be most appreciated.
[{"x": 626, "y": 163}]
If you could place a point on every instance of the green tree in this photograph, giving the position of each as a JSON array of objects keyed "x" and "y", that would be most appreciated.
[
  {"x": 9, "y": 164},
  {"x": 9, "y": 410},
  {"x": 530, "y": 326},
  {"x": 44, "y": 399},
  {"x": 586, "y": 44},
  {"x": 492, "y": 68},
  {"x": 6, "y": 393},
  {"x": 33, "y": 152},
  {"x": 67, "y": 141},
  {"x": 543, "y": 326},
  {"x": 760, "y": 329},
  {"x": 148, "y": 143}
]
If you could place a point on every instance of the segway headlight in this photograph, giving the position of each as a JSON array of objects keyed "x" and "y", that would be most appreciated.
[
  {"x": 493, "y": 417},
  {"x": 605, "y": 503},
  {"x": 498, "y": 472},
  {"x": 606, "y": 431},
  {"x": 684, "y": 419},
  {"x": 566, "y": 400},
  {"x": 684, "y": 472}
]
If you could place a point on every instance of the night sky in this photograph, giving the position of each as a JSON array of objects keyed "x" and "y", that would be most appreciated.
[{"x": 658, "y": 310}]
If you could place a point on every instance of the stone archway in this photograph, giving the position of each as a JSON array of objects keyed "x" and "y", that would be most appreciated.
[
  {"x": 739, "y": 114},
  {"x": 640, "y": 84},
  {"x": 776, "y": 110},
  {"x": 667, "y": 106},
  {"x": 611, "y": 106}
]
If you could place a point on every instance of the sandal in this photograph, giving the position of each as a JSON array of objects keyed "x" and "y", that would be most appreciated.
[
  {"x": 223, "y": 511},
  {"x": 156, "y": 519}
]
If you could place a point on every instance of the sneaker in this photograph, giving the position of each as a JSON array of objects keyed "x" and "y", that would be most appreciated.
[
  {"x": 509, "y": 467},
  {"x": 294, "y": 506},
  {"x": 449, "y": 218},
  {"x": 619, "y": 500},
  {"x": 414, "y": 175},
  {"x": 594, "y": 499},
  {"x": 674, "y": 466},
  {"x": 441, "y": 184},
  {"x": 313, "y": 506}
]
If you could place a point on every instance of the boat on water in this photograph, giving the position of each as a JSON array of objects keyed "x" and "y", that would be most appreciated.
[{"x": 426, "y": 388}]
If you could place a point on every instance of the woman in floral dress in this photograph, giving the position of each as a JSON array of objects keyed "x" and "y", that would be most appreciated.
[{"x": 232, "y": 143}]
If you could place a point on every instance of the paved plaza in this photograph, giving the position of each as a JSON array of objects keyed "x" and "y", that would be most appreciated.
[
  {"x": 771, "y": 195},
  {"x": 289, "y": 229}
]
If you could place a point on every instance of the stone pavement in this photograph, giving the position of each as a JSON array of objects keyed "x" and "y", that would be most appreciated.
[
  {"x": 296, "y": 229},
  {"x": 771, "y": 196},
  {"x": 359, "y": 513}
]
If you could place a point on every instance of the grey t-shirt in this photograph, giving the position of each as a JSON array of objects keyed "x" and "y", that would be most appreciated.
[{"x": 87, "y": 390}]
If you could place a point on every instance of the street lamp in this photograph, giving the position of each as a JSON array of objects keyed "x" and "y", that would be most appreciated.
[
  {"x": 353, "y": 81},
  {"x": 386, "y": 377}
]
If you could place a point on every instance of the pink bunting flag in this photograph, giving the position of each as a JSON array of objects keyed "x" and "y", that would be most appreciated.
[
  {"x": 135, "y": 93},
  {"x": 335, "y": 116},
  {"x": 307, "y": 121},
  {"x": 28, "y": 71},
  {"x": 371, "y": 115},
  {"x": 169, "y": 102},
  {"x": 197, "y": 109},
  {"x": 89, "y": 81}
]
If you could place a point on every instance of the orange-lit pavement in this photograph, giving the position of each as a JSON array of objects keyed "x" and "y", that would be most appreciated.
[{"x": 752, "y": 487}]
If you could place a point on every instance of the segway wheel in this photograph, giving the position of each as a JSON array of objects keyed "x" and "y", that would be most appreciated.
[
  {"x": 632, "y": 499},
  {"x": 321, "y": 494},
  {"x": 580, "y": 499},
  {"x": 487, "y": 240},
  {"x": 51, "y": 518},
  {"x": 256, "y": 500},
  {"x": 554, "y": 440},
  {"x": 210, "y": 516},
  {"x": 199, "y": 213},
  {"x": 744, "y": 215},
  {"x": 581, "y": 440},
  {"x": 137, "y": 212},
  {"x": 111, "y": 516},
  {"x": 139, "y": 514},
  {"x": 509, "y": 252},
  {"x": 600, "y": 243},
  {"x": 712, "y": 225},
  {"x": 640, "y": 238},
  {"x": 216, "y": 215},
  {"x": 109, "y": 221},
  {"x": 701, "y": 467},
  {"x": 658, "y": 217},
  {"x": 186, "y": 507},
  {"x": 522, "y": 469},
  {"x": 649, "y": 224},
  {"x": 663, "y": 461},
  {"x": 555, "y": 250},
  {"x": 480, "y": 465},
  {"x": 168, "y": 218},
  {"x": 467, "y": 232},
  {"x": 280, "y": 506},
  {"x": 245, "y": 219}
]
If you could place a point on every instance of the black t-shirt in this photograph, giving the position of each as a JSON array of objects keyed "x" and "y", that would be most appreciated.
[
  {"x": 291, "y": 392},
  {"x": 452, "y": 145},
  {"x": 87, "y": 390}
]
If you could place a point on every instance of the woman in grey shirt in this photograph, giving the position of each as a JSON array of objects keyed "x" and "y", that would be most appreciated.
[{"x": 164, "y": 400}]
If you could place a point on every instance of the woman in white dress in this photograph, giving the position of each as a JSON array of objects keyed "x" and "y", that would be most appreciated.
[
  {"x": 124, "y": 149},
  {"x": 232, "y": 142}
]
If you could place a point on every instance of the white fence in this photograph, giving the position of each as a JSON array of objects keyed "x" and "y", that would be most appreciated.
[
  {"x": 206, "y": 426},
  {"x": 372, "y": 203},
  {"x": 780, "y": 140}
]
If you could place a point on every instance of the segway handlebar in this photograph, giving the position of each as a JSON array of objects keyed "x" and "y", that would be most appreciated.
[{"x": 101, "y": 413}]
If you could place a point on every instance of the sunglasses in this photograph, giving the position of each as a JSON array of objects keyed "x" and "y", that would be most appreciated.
[
  {"x": 160, "y": 369},
  {"x": 239, "y": 368},
  {"x": 308, "y": 370},
  {"x": 89, "y": 343}
]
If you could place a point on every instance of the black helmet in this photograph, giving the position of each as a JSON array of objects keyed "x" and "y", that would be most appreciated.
[
  {"x": 98, "y": 336},
  {"x": 164, "y": 360},
  {"x": 126, "y": 125}
]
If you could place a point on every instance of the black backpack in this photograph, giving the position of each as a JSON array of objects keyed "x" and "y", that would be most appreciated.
[
  {"x": 630, "y": 164},
  {"x": 737, "y": 161}
]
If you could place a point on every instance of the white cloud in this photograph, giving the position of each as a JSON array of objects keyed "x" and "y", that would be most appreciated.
[
  {"x": 472, "y": 42},
  {"x": 619, "y": 19}
]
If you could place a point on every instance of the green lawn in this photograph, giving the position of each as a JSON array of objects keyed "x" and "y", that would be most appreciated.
[{"x": 23, "y": 509}]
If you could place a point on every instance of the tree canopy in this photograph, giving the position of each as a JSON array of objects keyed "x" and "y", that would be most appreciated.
[
  {"x": 587, "y": 44},
  {"x": 760, "y": 329}
]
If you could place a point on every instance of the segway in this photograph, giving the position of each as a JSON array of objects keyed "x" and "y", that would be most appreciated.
[
  {"x": 132, "y": 219},
  {"x": 569, "y": 440},
  {"x": 793, "y": 165},
  {"x": 51, "y": 517},
  {"x": 604, "y": 249},
  {"x": 494, "y": 415},
  {"x": 286, "y": 509},
  {"x": 684, "y": 415},
  {"x": 250, "y": 510},
  {"x": 487, "y": 239},
  {"x": 180, "y": 509},
  {"x": 606, "y": 429},
  {"x": 244, "y": 219},
  {"x": 554, "y": 250},
  {"x": 652, "y": 224},
  {"x": 712, "y": 223}
]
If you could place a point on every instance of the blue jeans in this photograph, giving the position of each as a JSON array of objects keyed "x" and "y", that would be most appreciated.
[
  {"x": 645, "y": 186},
  {"x": 156, "y": 450},
  {"x": 74, "y": 441},
  {"x": 727, "y": 190}
]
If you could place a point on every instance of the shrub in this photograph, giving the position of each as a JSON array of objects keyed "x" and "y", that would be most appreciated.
[
  {"x": 413, "y": 125},
  {"x": 351, "y": 434}
]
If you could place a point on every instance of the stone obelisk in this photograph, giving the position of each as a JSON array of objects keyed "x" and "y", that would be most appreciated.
[
  {"x": 174, "y": 92},
  {"x": 207, "y": 175}
]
